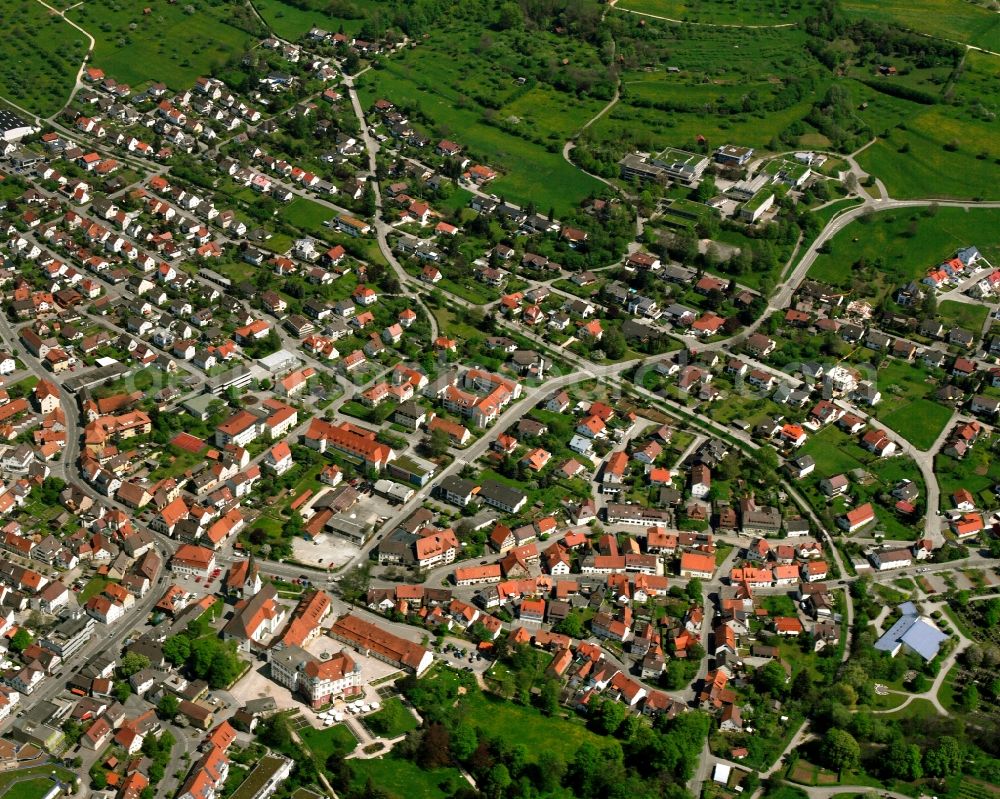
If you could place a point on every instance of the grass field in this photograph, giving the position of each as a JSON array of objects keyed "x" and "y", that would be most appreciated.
[
  {"x": 35, "y": 788},
  {"x": 927, "y": 169},
  {"x": 32, "y": 778},
  {"x": 837, "y": 453},
  {"x": 888, "y": 701},
  {"x": 529, "y": 171},
  {"x": 689, "y": 88},
  {"x": 963, "y": 314},
  {"x": 978, "y": 472},
  {"x": 94, "y": 586},
  {"x": 450, "y": 326},
  {"x": 307, "y": 215},
  {"x": 901, "y": 383},
  {"x": 168, "y": 45},
  {"x": 828, "y": 212},
  {"x": 884, "y": 244},
  {"x": 534, "y": 110},
  {"x": 405, "y": 779},
  {"x": 946, "y": 150},
  {"x": 525, "y": 725},
  {"x": 292, "y": 23},
  {"x": 978, "y": 83},
  {"x": 652, "y": 130},
  {"x": 930, "y": 80},
  {"x": 39, "y": 72},
  {"x": 401, "y": 720},
  {"x": 964, "y": 22},
  {"x": 721, "y": 81},
  {"x": 919, "y": 422},
  {"x": 831, "y": 457},
  {"x": 323, "y": 743},
  {"x": 741, "y": 12},
  {"x": 461, "y": 83}
]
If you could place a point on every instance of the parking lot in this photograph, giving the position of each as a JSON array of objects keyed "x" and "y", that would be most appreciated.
[
  {"x": 209, "y": 585},
  {"x": 936, "y": 582}
]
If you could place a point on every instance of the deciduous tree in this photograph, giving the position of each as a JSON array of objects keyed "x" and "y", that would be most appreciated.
[{"x": 840, "y": 751}]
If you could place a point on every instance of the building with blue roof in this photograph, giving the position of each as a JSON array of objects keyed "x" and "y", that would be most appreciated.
[{"x": 913, "y": 631}]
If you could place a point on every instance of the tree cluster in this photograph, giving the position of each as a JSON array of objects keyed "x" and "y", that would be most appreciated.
[{"x": 204, "y": 658}]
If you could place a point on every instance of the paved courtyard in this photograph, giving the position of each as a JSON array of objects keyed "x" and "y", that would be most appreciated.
[
  {"x": 325, "y": 550},
  {"x": 257, "y": 683}
]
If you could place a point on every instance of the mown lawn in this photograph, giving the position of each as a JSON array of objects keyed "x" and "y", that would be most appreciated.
[
  {"x": 307, "y": 215},
  {"x": 828, "y": 449},
  {"x": 963, "y": 314},
  {"x": 41, "y": 58},
  {"x": 405, "y": 779},
  {"x": 175, "y": 462},
  {"x": 35, "y": 788},
  {"x": 525, "y": 725},
  {"x": 8, "y": 779},
  {"x": 917, "y": 709},
  {"x": 323, "y": 743},
  {"x": 94, "y": 586},
  {"x": 946, "y": 693},
  {"x": 919, "y": 422},
  {"x": 828, "y": 212},
  {"x": 168, "y": 45},
  {"x": 400, "y": 719}
]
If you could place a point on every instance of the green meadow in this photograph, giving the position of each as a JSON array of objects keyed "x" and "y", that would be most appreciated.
[
  {"x": 169, "y": 44},
  {"x": 38, "y": 72},
  {"x": 966, "y": 22}
]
